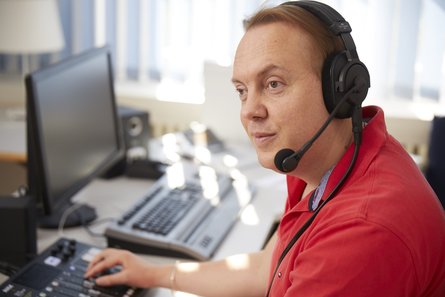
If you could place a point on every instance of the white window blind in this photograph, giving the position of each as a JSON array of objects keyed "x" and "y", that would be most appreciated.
[{"x": 159, "y": 46}]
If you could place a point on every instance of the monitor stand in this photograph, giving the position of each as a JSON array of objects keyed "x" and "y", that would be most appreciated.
[{"x": 80, "y": 214}]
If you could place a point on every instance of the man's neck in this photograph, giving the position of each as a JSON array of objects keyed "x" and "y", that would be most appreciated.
[{"x": 334, "y": 145}]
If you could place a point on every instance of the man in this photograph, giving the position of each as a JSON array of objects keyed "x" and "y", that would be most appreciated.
[{"x": 379, "y": 230}]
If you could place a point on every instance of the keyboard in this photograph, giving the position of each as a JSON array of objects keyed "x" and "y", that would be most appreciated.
[
  {"x": 188, "y": 219},
  {"x": 58, "y": 271},
  {"x": 167, "y": 213}
]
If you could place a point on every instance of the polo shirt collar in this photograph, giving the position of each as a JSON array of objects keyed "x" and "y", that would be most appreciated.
[
  {"x": 373, "y": 138},
  {"x": 317, "y": 194}
]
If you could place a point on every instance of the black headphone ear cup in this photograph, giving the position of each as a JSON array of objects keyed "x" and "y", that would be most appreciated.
[
  {"x": 340, "y": 75},
  {"x": 332, "y": 69},
  {"x": 356, "y": 75}
]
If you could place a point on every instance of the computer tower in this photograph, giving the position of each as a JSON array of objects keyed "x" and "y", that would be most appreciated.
[{"x": 18, "y": 230}]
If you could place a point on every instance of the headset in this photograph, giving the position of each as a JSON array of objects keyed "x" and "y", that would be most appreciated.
[
  {"x": 345, "y": 84},
  {"x": 341, "y": 71},
  {"x": 345, "y": 81}
]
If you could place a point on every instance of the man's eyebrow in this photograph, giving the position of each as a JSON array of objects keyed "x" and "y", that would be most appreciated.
[
  {"x": 268, "y": 68},
  {"x": 271, "y": 67},
  {"x": 234, "y": 80}
]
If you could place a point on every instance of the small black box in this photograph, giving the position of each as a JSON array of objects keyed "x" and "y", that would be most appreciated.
[{"x": 18, "y": 230}]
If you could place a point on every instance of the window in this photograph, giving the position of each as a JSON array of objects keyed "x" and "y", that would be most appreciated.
[{"x": 159, "y": 46}]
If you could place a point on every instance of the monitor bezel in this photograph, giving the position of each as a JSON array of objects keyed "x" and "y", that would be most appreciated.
[{"x": 38, "y": 175}]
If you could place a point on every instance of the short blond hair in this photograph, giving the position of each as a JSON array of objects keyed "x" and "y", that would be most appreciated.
[{"x": 323, "y": 40}]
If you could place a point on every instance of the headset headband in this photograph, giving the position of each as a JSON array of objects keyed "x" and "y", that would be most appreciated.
[{"x": 336, "y": 24}]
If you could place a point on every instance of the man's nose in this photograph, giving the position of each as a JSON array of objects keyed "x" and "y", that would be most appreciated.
[{"x": 254, "y": 107}]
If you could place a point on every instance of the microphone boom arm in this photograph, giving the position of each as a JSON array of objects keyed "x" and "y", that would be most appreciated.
[{"x": 290, "y": 162}]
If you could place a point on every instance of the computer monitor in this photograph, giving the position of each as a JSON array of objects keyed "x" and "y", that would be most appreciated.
[{"x": 73, "y": 133}]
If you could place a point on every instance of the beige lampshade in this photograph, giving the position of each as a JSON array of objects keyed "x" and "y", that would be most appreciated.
[{"x": 30, "y": 27}]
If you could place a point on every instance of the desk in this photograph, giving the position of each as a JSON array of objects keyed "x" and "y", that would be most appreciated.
[
  {"x": 12, "y": 140},
  {"x": 12, "y": 154},
  {"x": 112, "y": 197}
]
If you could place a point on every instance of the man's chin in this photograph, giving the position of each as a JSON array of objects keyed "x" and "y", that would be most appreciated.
[{"x": 266, "y": 162}]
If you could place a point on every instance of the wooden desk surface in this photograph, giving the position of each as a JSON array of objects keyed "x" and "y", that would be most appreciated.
[{"x": 12, "y": 141}]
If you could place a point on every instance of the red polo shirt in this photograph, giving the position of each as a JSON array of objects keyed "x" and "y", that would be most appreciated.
[{"x": 383, "y": 234}]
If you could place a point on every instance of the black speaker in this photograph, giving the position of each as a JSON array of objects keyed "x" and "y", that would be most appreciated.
[
  {"x": 136, "y": 134},
  {"x": 136, "y": 130},
  {"x": 18, "y": 230}
]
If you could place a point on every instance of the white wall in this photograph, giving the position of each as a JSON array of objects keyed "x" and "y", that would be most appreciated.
[{"x": 220, "y": 112}]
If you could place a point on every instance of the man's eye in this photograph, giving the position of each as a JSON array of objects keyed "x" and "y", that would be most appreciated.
[
  {"x": 274, "y": 84},
  {"x": 241, "y": 92}
]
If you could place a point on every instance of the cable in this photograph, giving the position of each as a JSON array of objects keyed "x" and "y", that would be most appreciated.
[
  {"x": 65, "y": 216},
  {"x": 8, "y": 269},
  {"x": 97, "y": 222},
  {"x": 357, "y": 141}
]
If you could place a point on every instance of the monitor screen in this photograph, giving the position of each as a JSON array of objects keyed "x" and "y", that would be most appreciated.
[{"x": 73, "y": 130}]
